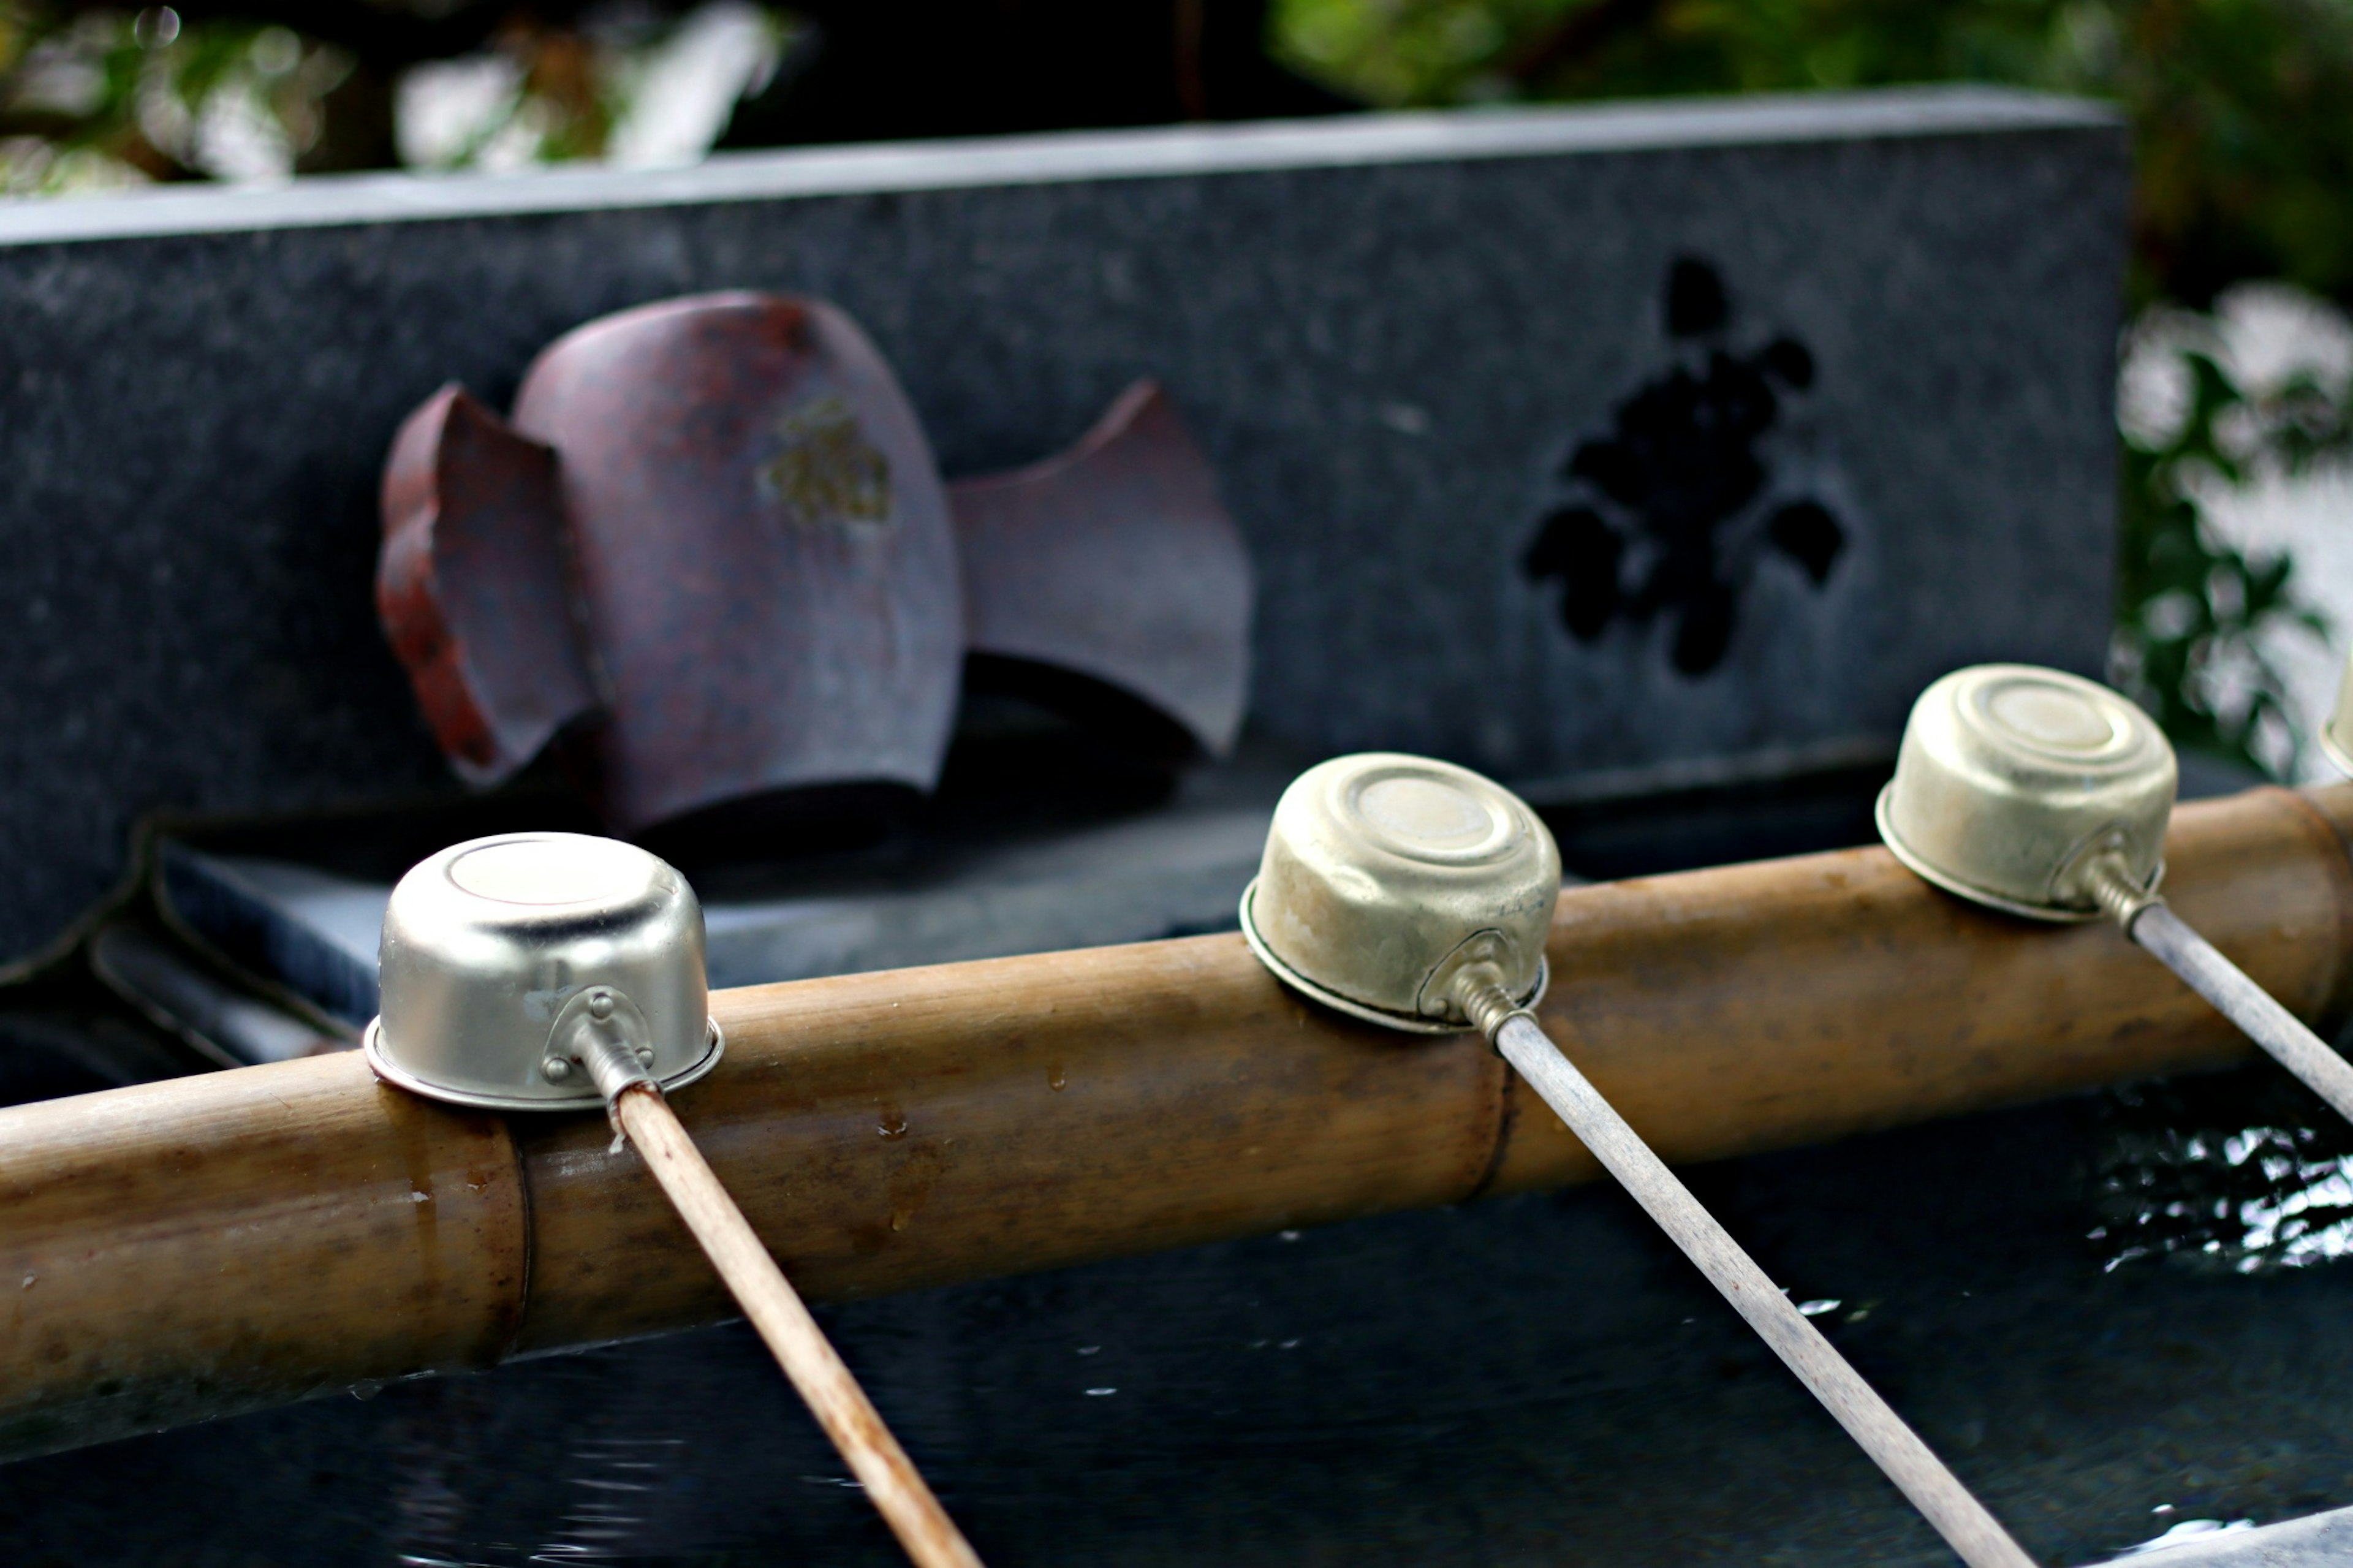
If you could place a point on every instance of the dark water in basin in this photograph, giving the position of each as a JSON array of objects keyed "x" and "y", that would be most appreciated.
[{"x": 1538, "y": 1380}]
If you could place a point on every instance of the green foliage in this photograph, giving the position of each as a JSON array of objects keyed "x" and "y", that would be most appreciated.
[
  {"x": 99, "y": 97},
  {"x": 107, "y": 98},
  {"x": 1442, "y": 51},
  {"x": 2189, "y": 647},
  {"x": 2246, "y": 153}
]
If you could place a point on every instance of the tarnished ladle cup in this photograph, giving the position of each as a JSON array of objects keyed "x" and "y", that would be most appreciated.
[
  {"x": 1417, "y": 895},
  {"x": 2047, "y": 796},
  {"x": 557, "y": 972},
  {"x": 2337, "y": 735}
]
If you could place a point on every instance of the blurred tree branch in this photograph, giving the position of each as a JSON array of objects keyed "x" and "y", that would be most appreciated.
[
  {"x": 386, "y": 36},
  {"x": 1576, "y": 37}
]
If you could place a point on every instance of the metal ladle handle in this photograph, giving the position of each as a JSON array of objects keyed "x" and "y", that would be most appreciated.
[
  {"x": 776, "y": 1310},
  {"x": 2147, "y": 919},
  {"x": 1936, "y": 1491}
]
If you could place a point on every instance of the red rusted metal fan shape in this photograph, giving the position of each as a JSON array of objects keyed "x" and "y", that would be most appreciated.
[
  {"x": 761, "y": 549},
  {"x": 715, "y": 544},
  {"x": 470, "y": 586},
  {"x": 1115, "y": 561}
]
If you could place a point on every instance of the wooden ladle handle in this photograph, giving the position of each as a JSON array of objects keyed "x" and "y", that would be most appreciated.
[{"x": 783, "y": 1320}]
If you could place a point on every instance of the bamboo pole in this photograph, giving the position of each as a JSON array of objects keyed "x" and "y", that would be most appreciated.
[{"x": 178, "y": 1250}]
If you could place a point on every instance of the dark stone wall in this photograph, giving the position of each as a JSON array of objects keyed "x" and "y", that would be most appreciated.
[{"x": 1394, "y": 365}]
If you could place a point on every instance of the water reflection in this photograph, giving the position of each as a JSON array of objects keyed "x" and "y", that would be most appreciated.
[
  {"x": 616, "y": 1477},
  {"x": 2242, "y": 1173},
  {"x": 2188, "y": 1531}
]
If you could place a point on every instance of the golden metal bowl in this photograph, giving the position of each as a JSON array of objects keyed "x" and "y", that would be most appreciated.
[
  {"x": 2012, "y": 780},
  {"x": 1386, "y": 875},
  {"x": 504, "y": 958},
  {"x": 2337, "y": 735}
]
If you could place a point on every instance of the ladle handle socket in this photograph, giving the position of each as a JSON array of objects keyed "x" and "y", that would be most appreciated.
[
  {"x": 1959, "y": 1518},
  {"x": 800, "y": 1347}
]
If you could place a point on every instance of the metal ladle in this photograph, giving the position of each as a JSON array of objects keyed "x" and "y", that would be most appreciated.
[
  {"x": 2337, "y": 735},
  {"x": 1417, "y": 895},
  {"x": 557, "y": 972},
  {"x": 2047, "y": 796}
]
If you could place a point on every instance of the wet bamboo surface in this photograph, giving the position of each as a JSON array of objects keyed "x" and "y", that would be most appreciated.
[{"x": 185, "y": 1249}]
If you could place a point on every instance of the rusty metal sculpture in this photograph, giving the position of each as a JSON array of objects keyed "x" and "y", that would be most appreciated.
[
  {"x": 1115, "y": 561},
  {"x": 761, "y": 551},
  {"x": 470, "y": 586},
  {"x": 714, "y": 546}
]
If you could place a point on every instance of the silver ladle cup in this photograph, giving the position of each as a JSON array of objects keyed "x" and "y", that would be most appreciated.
[
  {"x": 557, "y": 971},
  {"x": 2044, "y": 795},
  {"x": 1418, "y": 896}
]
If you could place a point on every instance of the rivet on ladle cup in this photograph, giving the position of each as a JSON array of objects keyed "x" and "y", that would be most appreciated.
[
  {"x": 2047, "y": 796},
  {"x": 554, "y": 972},
  {"x": 1418, "y": 896}
]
